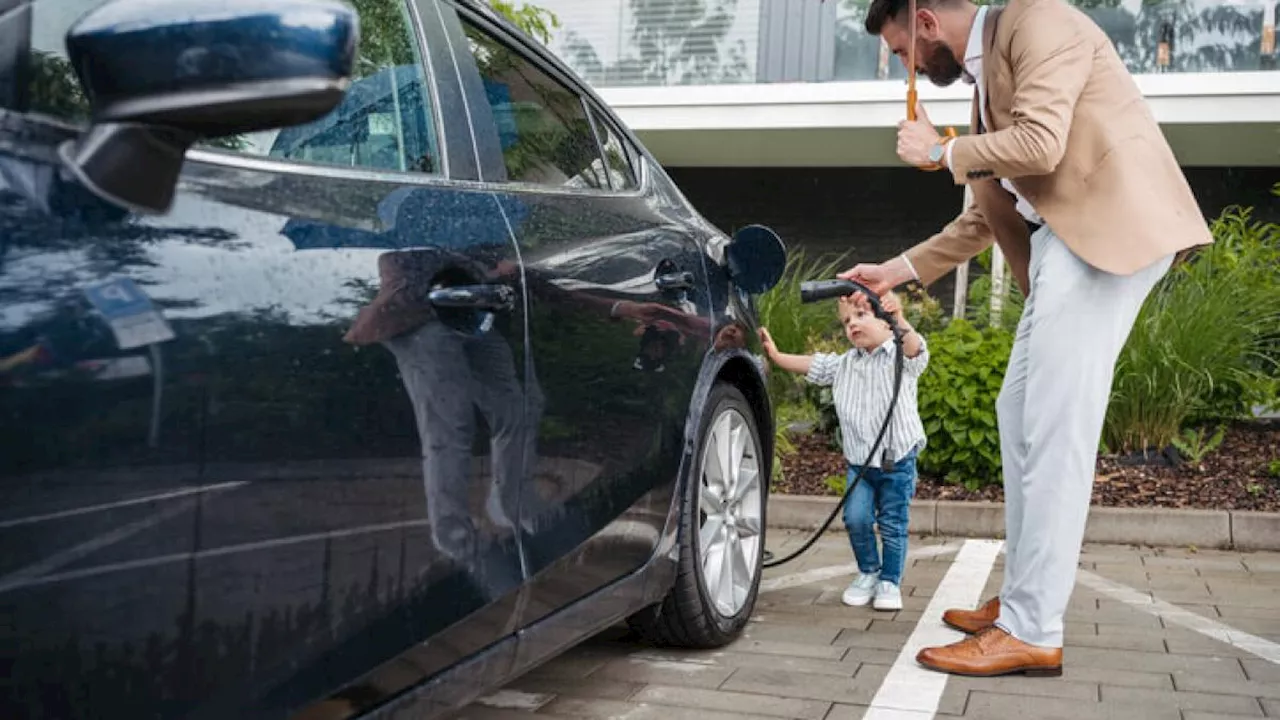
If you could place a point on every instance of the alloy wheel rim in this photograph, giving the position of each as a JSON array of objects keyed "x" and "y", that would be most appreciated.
[{"x": 730, "y": 512}]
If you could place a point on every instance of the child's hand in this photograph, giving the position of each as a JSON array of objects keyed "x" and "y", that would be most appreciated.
[
  {"x": 891, "y": 305},
  {"x": 767, "y": 341}
]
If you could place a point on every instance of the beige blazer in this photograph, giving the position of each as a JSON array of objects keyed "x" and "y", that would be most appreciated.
[{"x": 1072, "y": 132}]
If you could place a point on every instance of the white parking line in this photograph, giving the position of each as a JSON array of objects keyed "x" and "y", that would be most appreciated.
[
  {"x": 806, "y": 577},
  {"x": 182, "y": 492},
  {"x": 910, "y": 691},
  {"x": 1261, "y": 647}
]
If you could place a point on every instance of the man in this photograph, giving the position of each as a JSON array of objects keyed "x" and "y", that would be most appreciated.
[{"x": 1071, "y": 175}]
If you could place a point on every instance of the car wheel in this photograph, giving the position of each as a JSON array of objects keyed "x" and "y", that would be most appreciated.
[{"x": 722, "y": 523}]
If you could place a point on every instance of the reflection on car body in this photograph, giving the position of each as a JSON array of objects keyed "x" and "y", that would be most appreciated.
[{"x": 367, "y": 412}]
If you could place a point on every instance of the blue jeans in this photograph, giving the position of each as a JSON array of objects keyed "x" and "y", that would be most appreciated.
[{"x": 884, "y": 499}]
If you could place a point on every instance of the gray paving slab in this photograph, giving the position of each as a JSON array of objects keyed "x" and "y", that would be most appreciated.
[{"x": 806, "y": 656}]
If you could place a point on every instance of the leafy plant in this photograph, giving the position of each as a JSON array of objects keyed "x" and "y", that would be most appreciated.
[
  {"x": 1206, "y": 344},
  {"x": 1273, "y": 468},
  {"x": 958, "y": 395},
  {"x": 979, "y": 297},
  {"x": 1193, "y": 445}
]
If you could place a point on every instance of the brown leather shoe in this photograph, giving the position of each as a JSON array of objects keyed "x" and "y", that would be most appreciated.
[
  {"x": 993, "y": 652},
  {"x": 974, "y": 621}
]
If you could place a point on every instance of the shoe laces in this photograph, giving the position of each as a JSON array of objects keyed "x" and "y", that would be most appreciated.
[{"x": 886, "y": 587}]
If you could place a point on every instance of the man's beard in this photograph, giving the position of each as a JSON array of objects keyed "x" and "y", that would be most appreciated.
[{"x": 941, "y": 66}]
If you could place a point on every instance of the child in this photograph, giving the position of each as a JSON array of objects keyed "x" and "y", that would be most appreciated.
[{"x": 862, "y": 387}]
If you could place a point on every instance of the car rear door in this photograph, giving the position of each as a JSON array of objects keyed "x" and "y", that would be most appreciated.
[
  {"x": 260, "y": 453},
  {"x": 618, "y": 318}
]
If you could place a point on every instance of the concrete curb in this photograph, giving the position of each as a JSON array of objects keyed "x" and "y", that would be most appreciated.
[{"x": 1222, "y": 529}]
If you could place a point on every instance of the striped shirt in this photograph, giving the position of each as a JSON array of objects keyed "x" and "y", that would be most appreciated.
[{"x": 862, "y": 388}]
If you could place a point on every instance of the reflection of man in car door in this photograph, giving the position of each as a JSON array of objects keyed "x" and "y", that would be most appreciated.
[
  {"x": 448, "y": 373},
  {"x": 451, "y": 369}
]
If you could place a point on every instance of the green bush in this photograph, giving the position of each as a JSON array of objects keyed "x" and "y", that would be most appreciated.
[
  {"x": 1206, "y": 345},
  {"x": 958, "y": 402}
]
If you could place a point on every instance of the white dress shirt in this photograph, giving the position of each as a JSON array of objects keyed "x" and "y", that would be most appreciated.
[{"x": 973, "y": 74}]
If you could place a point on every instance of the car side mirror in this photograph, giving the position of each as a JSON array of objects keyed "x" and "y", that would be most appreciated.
[
  {"x": 164, "y": 74},
  {"x": 756, "y": 259}
]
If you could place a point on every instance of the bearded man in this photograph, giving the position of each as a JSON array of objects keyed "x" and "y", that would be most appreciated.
[{"x": 1072, "y": 177}]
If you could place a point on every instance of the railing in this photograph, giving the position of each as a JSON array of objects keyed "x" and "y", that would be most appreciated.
[{"x": 615, "y": 43}]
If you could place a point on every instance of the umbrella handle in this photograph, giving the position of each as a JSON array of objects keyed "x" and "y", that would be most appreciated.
[{"x": 912, "y": 97}]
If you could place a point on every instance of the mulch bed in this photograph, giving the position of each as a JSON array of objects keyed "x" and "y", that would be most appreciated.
[{"x": 1235, "y": 476}]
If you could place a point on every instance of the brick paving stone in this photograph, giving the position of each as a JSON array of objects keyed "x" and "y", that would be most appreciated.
[
  {"x": 993, "y": 706},
  {"x": 1035, "y": 687},
  {"x": 733, "y": 658},
  {"x": 844, "y": 711},
  {"x": 1271, "y": 708},
  {"x": 746, "y": 703},
  {"x": 1239, "y": 705},
  {"x": 803, "y": 686},
  {"x": 1233, "y": 612},
  {"x": 1198, "y": 715},
  {"x": 476, "y": 711},
  {"x": 577, "y": 687},
  {"x": 866, "y": 640},
  {"x": 664, "y": 673},
  {"x": 1077, "y": 673},
  {"x": 1190, "y": 682},
  {"x": 871, "y": 656},
  {"x": 597, "y": 709},
  {"x": 891, "y": 627},
  {"x": 1149, "y": 642},
  {"x": 805, "y": 634},
  {"x": 1193, "y": 643},
  {"x": 1222, "y": 667},
  {"x": 1260, "y": 670},
  {"x": 752, "y": 643},
  {"x": 839, "y": 618}
]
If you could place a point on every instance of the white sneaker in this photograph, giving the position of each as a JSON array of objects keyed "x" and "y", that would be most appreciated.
[
  {"x": 861, "y": 590},
  {"x": 888, "y": 596}
]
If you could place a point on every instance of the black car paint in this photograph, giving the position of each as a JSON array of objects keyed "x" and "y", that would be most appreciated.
[{"x": 293, "y": 568}]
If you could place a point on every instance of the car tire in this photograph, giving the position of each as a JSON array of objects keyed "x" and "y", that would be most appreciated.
[{"x": 700, "y": 610}]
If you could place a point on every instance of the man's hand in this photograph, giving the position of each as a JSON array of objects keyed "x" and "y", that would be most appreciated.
[
  {"x": 880, "y": 278},
  {"x": 915, "y": 138}
]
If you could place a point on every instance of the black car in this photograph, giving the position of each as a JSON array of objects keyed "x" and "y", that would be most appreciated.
[{"x": 350, "y": 364}]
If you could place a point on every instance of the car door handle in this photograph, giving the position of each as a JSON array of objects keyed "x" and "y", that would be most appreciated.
[
  {"x": 674, "y": 281},
  {"x": 475, "y": 297}
]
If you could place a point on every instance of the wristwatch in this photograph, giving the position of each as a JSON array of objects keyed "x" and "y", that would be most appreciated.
[{"x": 938, "y": 150}]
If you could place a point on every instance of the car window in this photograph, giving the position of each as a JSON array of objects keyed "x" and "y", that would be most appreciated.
[
  {"x": 620, "y": 162},
  {"x": 386, "y": 119},
  {"x": 542, "y": 125},
  {"x": 384, "y": 122}
]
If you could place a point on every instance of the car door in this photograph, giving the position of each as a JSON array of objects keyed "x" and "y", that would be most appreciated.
[
  {"x": 258, "y": 452},
  {"x": 618, "y": 317}
]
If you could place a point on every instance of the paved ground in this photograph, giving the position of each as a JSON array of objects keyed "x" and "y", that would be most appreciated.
[{"x": 1179, "y": 634}]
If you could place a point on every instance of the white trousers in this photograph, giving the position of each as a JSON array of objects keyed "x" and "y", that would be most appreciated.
[{"x": 1051, "y": 408}]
